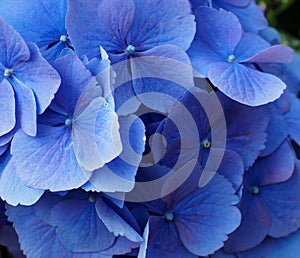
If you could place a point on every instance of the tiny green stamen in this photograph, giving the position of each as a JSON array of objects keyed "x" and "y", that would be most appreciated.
[
  {"x": 8, "y": 72},
  {"x": 231, "y": 58},
  {"x": 69, "y": 122},
  {"x": 206, "y": 143},
  {"x": 63, "y": 38},
  {"x": 169, "y": 216},
  {"x": 254, "y": 190},
  {"x": 130, "y": 50}
]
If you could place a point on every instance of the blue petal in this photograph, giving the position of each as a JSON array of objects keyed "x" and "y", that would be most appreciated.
[
  {"x": 273, "y": 54},
  {"x": 154, "y": 83},
  {"x": 250, "y": 14},
  {"x": 119, "y": 174},
  {"x": 220, "y": 31},
  {"x": 254, "y": 227},
  {"x": 282, "y": 202},
  {"x": 206, "y": 216},
  {"x": 105, "y": 23},
  {"x": 79, "y": 218},
  {"x": 96, "y": 135},
  {"x": 246, "y": 128},
  {"x": 232, "y": 162},
  {"x": 26, "y": 107},
  {"x": 12, "y": 189},
  {"x": 276, "y": 248},
  {"x": 7, "y": 108},
  {"x": 246, "y": 49},
  {"x": 292, "y": 119},
  {"x": 14, "y": 48},
  {"x": 32, "y": 229},
  {"x": 277, "y": 132},
  {"x": 164, "y": 240},
  {"x": 39, "y": 76},
  {"x": 167, "y": 25},
  {"x": 74, "y": 77},
  {"x": 47, "y": 161},
  {"x": 115, "y": 223},
  {"x": 246, "y": 85},
  {"x": 275, "y": 168},
  {"x": 41, "y": 22}
]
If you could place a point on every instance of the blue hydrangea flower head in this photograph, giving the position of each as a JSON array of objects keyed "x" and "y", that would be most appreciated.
[
  {"x": 249, "y": 13},
  {"x": 78, "y": 134},
  {"x": 101, "y": 229},
  {"x": 28, "y": 82},
  {"x": 270, "y": 200},
  {"x": 230, "y": 58},
  {"x": 41, "y": 22},
  {"x": 125, "y": 28},
  {"x": 192, "y": 221}
]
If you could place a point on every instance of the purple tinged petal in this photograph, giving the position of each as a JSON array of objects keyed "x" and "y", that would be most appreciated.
[
  {"x": 246, "y": 85},
  {"x": 276, "y": 248},
  {"x": 246, "y": 49},
  {"x": 225, "y": 35},
  {"x": 206, "y": 216},
  {"x": 232, "y": 168},
  {"x": 273, "y": 54},
  {"x": 275, "y": 168},
  {"x": 277, "y": 132},
  {"x": 164, "y": 240},
  {"x": 47, "y": 161},
  {"x": 246, "y": 128},
  {"x": 254, "y": 227},
  {"x": 115, "y": 223},
  {"x": 32, "y": 229},
  {"x": 7, "y": 108},
  {"x": 282, "y": 202},
  {"x": 79, "y": 218}
]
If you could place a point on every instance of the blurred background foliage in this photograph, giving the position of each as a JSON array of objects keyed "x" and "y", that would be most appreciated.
[{"x": 284, "y": 15}]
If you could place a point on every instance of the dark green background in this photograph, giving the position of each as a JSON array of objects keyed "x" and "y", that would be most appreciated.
[{"x": 284, "y": 15}]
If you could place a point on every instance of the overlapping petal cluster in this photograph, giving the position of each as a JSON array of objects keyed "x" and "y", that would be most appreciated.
[{"x": 147, "y": 128}]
